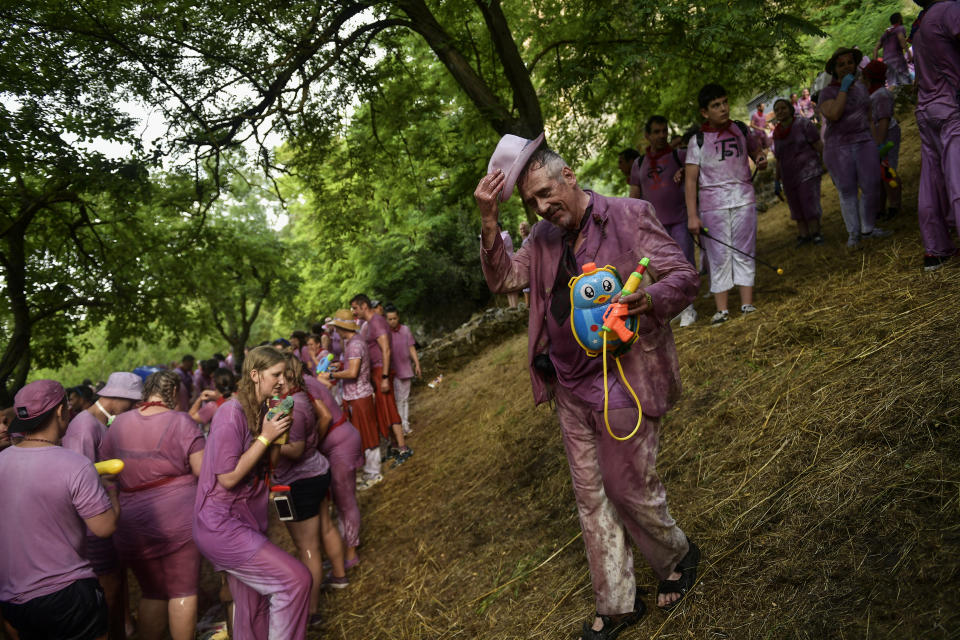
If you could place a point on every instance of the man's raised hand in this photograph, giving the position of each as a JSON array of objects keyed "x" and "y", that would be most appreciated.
[{"x": 488, "y": 196}]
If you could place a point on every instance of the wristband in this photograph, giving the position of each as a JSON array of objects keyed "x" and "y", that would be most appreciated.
[{"x": 264, "y": 440}]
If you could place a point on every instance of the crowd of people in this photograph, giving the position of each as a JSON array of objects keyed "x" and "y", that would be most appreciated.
[
  {"x": 205, "y": 449},
  {"x": 697, "y": 192},
  {"x": 847, "y": 126}
]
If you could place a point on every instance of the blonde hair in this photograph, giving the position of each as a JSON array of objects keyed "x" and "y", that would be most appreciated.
[
  {"x": 165, "y": 384},
  {"x": 258, "y": 359}
]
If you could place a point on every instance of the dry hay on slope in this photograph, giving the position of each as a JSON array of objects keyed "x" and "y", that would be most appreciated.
[{"x": 814, "y": 456}]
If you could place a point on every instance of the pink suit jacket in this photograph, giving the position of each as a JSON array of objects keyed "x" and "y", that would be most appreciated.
[{"x": 628, "y": 231}]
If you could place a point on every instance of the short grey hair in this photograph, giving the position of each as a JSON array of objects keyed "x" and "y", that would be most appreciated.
[{"x": 543, "y": 157}]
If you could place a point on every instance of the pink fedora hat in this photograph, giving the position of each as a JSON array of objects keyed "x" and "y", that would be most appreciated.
[{"x": 511, "y": 156}]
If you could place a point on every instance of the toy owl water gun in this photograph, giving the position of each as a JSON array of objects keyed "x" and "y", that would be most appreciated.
[
  {"x": 599, "y": 325},
  {"x": 109, "y": 467},
  {"x": 324, "y": 363}
]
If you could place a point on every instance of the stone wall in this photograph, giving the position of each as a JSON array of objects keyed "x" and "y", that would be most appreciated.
[{"x": 459, "y": 347}]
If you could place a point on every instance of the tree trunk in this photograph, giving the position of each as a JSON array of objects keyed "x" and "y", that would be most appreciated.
[
  {"x": 529, "y": 122},
  {"x": 15, "y": 362}
]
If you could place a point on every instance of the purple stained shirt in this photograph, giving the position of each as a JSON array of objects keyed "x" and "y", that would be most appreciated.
[
  {"x": 200, "y": 382},
  {"x": 320, "y": 392},
  {"x": 653, "y": 173},
  {"x": 304, "y": 429},
  {"x": 881, "y": 106},
  {"x": 853, "y": 126},
  {"x": 359, "y": 387},
  {"x": 892, "y": 51},
  {"x": 374, "y": 328},
  {"x": 158, "y": 520},
  {"x": 723, "y": 158},
  {"x": 936, "y": 58},
  {"x": 229, "y": 524},
  {"x": 796, "y": 157},
  {"x": 806, "y": 107},
  {"x": 84, "y": 435},
  {"x": 400, "y": 342},
  {"x": 206, "y": 412},
  {"x": 42, "y": 533},
  {"x": 759, "y": 122}
]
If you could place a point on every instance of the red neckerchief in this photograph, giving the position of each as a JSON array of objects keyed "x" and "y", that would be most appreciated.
[
  {"x": 873, "y": 86},
  {"x": 707, "y": 127},
  {"x": 659, "y": 154},
  {"x": 780, "y": 132},
  {"x": 221, "y": 400}
]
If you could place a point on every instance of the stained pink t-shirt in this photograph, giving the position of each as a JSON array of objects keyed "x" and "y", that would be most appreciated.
[
  {"x": 795, "y": 154},
  {"x": 359, "y": 387},
  {"x": 853, "y": 126},
  {"x": 48, "y": 492},
  {"x": 724, "y": 163},
  {"x": 84, "y": 435},
  {"x": 936, "y": 58},
  {"x": 200, "y": 382},
  {"x": 304, "y": 429},
  {"x": 316, "y": 389},
  {"x": 805, "y": 107},
  {"x": 229, "y": 524},
  {"x": 653, "y": 173},
  {"x": 400, "y": 342},
  {"x": 374, "y": 328},
  {"x": 892, "y": 51},
  {"x": 759, "y": 122},
  {"x": 155, "y": 520},
  {"x": 206, "y": 412}
]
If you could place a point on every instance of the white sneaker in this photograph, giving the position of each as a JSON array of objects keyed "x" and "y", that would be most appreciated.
[
  {"x": 720, "y": 317},
  {"x": 747, "y": 308},
  {"x": 369, "y": 481},
  {"x": 688, "y": 316}
]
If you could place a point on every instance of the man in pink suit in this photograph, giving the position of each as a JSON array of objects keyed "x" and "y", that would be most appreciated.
[{"x": 617, "y": 490}]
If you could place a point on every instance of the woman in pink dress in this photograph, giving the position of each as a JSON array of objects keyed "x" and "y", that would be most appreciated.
[{"x": 162, "y": 450}]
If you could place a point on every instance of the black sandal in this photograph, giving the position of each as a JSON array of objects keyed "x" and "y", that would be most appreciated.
[
  {"x": 613, "y": 626},
  {"x": 687, "y": 568}
]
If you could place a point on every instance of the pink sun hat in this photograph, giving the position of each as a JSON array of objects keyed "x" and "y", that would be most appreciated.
[{"x": 511, "y": 157}]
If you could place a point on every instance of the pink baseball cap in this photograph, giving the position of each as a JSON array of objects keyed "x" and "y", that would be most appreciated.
[
  {"x": 33, "y": 401},
  {"x": 122, "y": 384},
  {"x": 511, "y": 157}
]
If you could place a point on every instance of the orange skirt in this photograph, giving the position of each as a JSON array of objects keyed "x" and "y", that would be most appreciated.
[
  {"x": 387, "y": 413},
  {"x": 363, "y": 415}
]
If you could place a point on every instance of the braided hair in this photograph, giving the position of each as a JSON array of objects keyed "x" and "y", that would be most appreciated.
[{"x": 165, "y": 384}]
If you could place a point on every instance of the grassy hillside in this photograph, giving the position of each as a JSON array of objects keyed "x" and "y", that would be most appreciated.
[{"x": 815, "y": 457}]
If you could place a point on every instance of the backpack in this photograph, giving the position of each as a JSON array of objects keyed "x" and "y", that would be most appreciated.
[{"x": 743, "y": 129}]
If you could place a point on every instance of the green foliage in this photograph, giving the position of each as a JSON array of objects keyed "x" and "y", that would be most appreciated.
[{"x": 853, "y": 24}]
